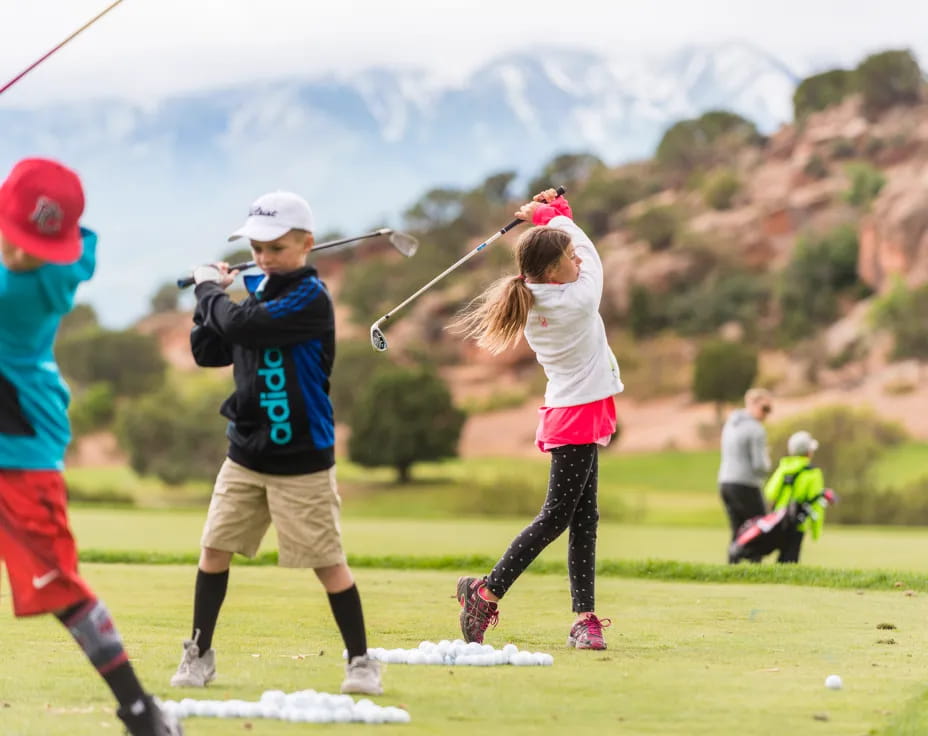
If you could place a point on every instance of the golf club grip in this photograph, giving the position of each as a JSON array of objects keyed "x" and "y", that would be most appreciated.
[
  {"x": 188, "y": 280},
  {"x": 515, "y": 223}
]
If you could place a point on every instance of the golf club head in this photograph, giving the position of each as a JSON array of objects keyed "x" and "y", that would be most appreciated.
[
  {"x": 378, "y": 341},
  {"x": 404, "y": 243}
]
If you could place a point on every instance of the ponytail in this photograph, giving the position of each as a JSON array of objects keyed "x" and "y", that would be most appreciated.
[{"x": 496, "y": 318}]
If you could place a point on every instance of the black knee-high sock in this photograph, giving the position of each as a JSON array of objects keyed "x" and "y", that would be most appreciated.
[
  {"x": 210, "y": 593},
  {"x": 92, "y": 627},
  {"x": 349, "y": 616}
]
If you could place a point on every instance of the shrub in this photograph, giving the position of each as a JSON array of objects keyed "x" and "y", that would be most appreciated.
[
  {"x": 821, "y": 91},
  {"x": 843, "y": 148},
  {"x": 889, "y": 78},
  {"x": 78, "y": 319},
  {"x": 567, "y": 169},
  {"x": 904, "y": 312},
  {"x": 815, "y": 167},
  {"x": 704, "y": 141},
  {"x": 401, "y": 417},
  {"x": 866, "y": 183},
  {"x": 601, "y": 198},
  {"x": 658, "y": 226},
  {"x": 819, "y": 270},
  {"x": 850, "y": 440},
  {"x": 175, "y": 433},
  {"x": 646, "y": 313},
  {"x": 130, "y": 362},
  {"x": 165, "y": 299},
  {"x": 719, "y": 189},
  {"x": 354, "y": 363},
  {"x": 712, "y": 302},
  {"x": 92, "y": 409},
  {"x": 724, "y": 371}
]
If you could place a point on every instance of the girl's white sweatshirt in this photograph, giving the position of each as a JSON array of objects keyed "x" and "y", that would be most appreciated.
[{"x": 566, "y": 331}]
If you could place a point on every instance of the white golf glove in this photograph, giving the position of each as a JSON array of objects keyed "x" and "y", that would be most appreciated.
[{"x": 206, "y": 272}]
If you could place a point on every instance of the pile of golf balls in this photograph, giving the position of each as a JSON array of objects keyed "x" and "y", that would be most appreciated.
[
  {"x": 458, "y": 652},
  {"x": 305, "y": 706}
]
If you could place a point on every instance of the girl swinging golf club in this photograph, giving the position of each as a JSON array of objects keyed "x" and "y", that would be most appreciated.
[{"x": 554, "y": 301}]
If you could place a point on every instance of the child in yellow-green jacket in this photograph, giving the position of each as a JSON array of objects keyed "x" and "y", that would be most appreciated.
[{"x": 797, "y": 481}]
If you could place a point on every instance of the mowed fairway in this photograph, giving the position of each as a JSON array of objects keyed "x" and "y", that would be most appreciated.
[
  {"x": 684, "y": 658},
  {"x": 899, "y": 548}
]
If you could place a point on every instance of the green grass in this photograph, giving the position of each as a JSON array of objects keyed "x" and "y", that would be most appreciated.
[
  {"x": 655, "y": 488},
  {"x": 684, "y": 660},
  {"x": 178, "y": 531},
  {"x": 902, "y": 464}
]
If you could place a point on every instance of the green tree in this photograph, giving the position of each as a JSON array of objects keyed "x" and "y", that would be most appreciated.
[
  {"x": 354, "y": 363},
  {"x": 705, "y": 141},
  {"x": 657, "y": 225},
  {"x": 723, "y": 372},
  {"x": 403, "y": 416},
  {"x": 645, "y": 313},
  {"x": 92, "y": 409},
  {"x": 721, "y": 297},
  {"x": 568, "y": 170},
  {"x": 129, "y": 361},
  {"x": 436, "y": 207},
  {"x": 165, "y": 299},
  {"x": 175, "y": 433},
  {"x": 602, "y": 197},
  {"x": 79, "y": 318},
  {"x": 821, "y": 91},
  {"x": 819, "y": 270},
  {"x": 889, "y": 78},
  {"x": 495, "y": 188}
]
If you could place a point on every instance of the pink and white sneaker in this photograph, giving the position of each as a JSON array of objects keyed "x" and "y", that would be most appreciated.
[
  {"x": 476, "y": 613},
  {"x": 587, "y": 633}
]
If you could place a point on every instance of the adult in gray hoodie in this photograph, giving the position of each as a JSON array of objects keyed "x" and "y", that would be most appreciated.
[{"x": 745, "y": 459}]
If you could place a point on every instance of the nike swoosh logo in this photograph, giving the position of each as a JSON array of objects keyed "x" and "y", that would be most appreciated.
[{"x": 41, "y": 582}]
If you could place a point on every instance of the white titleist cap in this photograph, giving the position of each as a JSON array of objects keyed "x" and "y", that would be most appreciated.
[
  {"x": 801, "y": 443},
  {"x": 274, "y": 214}
]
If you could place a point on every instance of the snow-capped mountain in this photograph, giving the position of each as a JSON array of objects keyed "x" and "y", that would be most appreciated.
[{"x": 167, "y": 182}]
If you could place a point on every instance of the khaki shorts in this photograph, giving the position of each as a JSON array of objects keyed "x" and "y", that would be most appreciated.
[{"x": 304, "y": 509}]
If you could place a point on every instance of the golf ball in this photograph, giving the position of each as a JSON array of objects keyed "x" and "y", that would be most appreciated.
[{"x": 833, "y": 682}]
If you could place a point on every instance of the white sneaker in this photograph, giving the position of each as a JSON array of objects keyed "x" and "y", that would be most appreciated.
[
  {"x": 362, "y": 675},
  {"x": 194, "y": 670}
]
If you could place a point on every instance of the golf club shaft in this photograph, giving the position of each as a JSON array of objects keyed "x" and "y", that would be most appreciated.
[
  {"x": 448, "y": 270},
  {"x": 34, "y": 64},
  {"x": 498, "y": 234},
  {"x": 183, "y": 283}
]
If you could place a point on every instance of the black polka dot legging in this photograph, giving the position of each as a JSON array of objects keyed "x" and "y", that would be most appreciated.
[{"x": 570, "y": 503}]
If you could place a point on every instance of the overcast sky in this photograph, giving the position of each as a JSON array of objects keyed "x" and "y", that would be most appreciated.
[{"x": 150, "y": 48}]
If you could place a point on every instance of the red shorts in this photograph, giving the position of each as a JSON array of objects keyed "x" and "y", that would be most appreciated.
[{"x": 36, "y": 544}]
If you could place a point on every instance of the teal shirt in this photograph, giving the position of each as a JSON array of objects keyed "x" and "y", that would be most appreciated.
[{"x": 34, "y": 427}]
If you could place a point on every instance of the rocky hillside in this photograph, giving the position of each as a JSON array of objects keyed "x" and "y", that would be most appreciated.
[{"x": 799, "y": 183}]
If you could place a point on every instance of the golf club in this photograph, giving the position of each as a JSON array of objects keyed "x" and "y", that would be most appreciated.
[
  {"x": 403, "y": 242},
  {"x": 34, "y": 64},
  {"x": 379, "y": 341}
]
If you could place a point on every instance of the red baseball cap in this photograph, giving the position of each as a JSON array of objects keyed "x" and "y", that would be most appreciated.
[{"x": 41, "y": 202}]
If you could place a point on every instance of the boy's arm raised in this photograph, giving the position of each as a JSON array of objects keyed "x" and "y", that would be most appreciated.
[
  {"x": 208, "y": 348},
  {"x": 301, "y": 314}
]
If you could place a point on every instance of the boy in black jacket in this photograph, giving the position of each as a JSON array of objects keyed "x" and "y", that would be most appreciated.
[{"x": 281, "y": 462}]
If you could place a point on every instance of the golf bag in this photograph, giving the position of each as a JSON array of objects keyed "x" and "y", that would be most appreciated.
[{"x": 762, "y": 535}]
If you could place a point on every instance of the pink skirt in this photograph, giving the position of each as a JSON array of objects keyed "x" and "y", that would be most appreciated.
[{"x": 576, "y": 425}]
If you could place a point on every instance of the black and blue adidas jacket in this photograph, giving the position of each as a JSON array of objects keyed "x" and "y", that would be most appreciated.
[{"x": 281, "y": 347}]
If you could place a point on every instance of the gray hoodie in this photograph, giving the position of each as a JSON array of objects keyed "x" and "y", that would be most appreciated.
[{"x": 745, "y": 458}]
